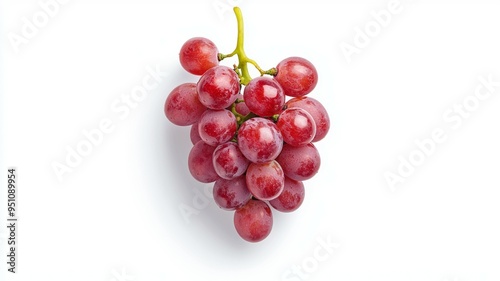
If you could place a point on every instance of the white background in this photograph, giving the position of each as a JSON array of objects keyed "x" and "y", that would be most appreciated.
[{"x": 116, "y": 215}]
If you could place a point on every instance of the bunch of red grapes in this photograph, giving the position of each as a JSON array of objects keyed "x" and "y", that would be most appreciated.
[{"x": 252, "y": 137}]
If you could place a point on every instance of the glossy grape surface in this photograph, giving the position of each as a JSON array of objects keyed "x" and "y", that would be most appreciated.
[
  {"x": 260, "y": 140},
  {"x": 218, "y": 87},
  {"x": 297, "y": 76},
  {"x": 253, "y": 221},
  {"x": 198, "y": 55},
  {"x": 182, "y": 106}
]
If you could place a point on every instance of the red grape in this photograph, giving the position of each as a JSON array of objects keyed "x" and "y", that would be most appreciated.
[
  {"x": 182, "y": 106},
  {"x": 194, "y": 135},
  {"x": 264, "y": 96},
  {"x": 217, "y": 126},
  {"x": 318, "y": 113},
  {"x": 198, "y": 55},
  {"x": 218, "y": 87},
  {"x": 200, "y": 162},
  {"x": 228, "y": 161},
  {"x": 291, "y": 198},
  {"x": 254, "y": 144},
  {"x": 297, "y": 76},
  {"x": 231, "y": 194},
  {"x": 299, "y": 162},
  {"x": 253, "y": 221},
  {"x": 265, "y": 180},
  {"x": 241, "y": 107},
  {"x": 260, "y": 140},
  {"x": 297, "y": 126}
]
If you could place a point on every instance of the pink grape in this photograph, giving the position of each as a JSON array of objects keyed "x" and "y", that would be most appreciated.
[
  {"x": 297, "y": 126},
  {"x": 264, "y": 96},
  {"x": 228, "y": 161},
  {"x": 252, "y": 137},
  {"x": 260, "y": 140},
  {"x": 291, "y": 198},
  {"x": 198, "y": 55},
  {"x": 200, "y": 162},
  {"x": 217, "y": 126},
  {"x": 265, "y": 180},
  {"x": 297, "y": 76},
  {"x": 241, "y": 107},
  {"x": 182, "y": 106},
  {"x": 193, "y": 134},
  {"x": 253, "y": 221},
  {"x": 318, "y": 113},
  {"x": 231, "y": 194},
  {"x": 218, "y": 87},
  {"x": 299, "y": 162}
]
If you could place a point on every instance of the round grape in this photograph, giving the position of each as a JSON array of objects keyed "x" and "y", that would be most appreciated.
[
  {"x": 318, "y": 113},
  {"x": 264, "y": 96},
  {"x": 291, "y": 198},
  {"x": 194, "y": 135},
  {"x": 265, "y": 180},
  {"x": 231, "y": 194},
  {"x": 299, "y": 162},
  {"x": 260, "y": 140},
  {"x": 297, "y": 76},
  {"x": 241, "y": 107},
  {"x": 229, "y": 162},
  {"x": 217, "y": 126},
  {"x": 253, "y": 221},
  {"x": 198, "y": 55},
  {"x": 182, "y": 106},
  {"x": 200, "y": 162},
  {"x": 218, "y": 87},
  {"x": 297, "y": 126}
]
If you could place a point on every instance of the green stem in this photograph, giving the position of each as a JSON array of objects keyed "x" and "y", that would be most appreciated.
[{"x": 243, "y": 59}]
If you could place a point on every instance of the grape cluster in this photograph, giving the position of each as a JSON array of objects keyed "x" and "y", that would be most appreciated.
[{"x": 253, "y": 137}]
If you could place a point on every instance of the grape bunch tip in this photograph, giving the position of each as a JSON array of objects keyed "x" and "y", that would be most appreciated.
[{"x": 252, "y": 137}]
